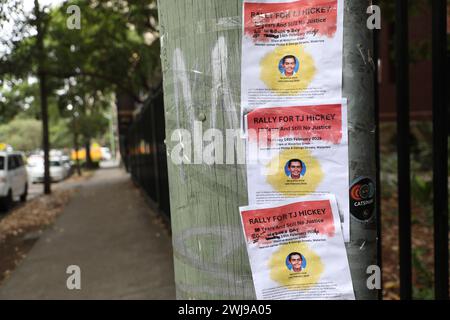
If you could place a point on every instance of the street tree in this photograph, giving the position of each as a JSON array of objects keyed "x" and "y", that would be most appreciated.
[{"x": 116, "y": 50}]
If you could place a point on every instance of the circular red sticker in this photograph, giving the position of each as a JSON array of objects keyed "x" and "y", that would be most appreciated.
[{"x": 362, "y": 199}]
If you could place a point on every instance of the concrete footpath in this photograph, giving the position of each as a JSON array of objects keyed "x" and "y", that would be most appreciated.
[{"x": 107, "y": 230}]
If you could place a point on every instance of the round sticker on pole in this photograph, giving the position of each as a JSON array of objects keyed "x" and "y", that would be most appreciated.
[{"x": 362, "y": 199}]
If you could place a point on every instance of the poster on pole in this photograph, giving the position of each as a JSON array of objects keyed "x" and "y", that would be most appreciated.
[
  {"x": 296, "y": 250},
  {"x": 291, "y": 52},
  {"x": 299, "y": 150}
]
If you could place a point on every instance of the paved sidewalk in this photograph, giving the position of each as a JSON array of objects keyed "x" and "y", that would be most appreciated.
[{"x": 108, "y": 230}]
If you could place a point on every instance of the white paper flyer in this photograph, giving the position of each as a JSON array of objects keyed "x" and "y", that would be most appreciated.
[
  {"x": 296, "y": 250},
  {"x": 299, "y": 150},
  {"x": 291, "y": 52}
]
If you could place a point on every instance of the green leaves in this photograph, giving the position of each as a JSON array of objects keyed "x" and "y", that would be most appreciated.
[
  {"x": 109, "y": 51},
  {"x": 22, "y": 134},
  {"x": 84, "y": 67}
]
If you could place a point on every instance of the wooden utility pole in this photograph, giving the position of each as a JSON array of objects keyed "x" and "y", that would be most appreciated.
[{"x": 201, "y": 58}]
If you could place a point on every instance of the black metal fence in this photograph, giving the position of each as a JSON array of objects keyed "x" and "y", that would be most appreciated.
[
  {"x": 147, "y": 160},
  {"x": 440, "y": 151},
  {"x": 146, "y": 154}
]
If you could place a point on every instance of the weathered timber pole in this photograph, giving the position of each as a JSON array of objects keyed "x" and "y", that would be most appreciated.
[
  {"x": 202, "y": 82},
  {"x": 201, "y": 49}
]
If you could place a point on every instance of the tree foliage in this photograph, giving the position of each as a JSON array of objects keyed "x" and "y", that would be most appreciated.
[
  {"x": 22, "y": 134},
  {"x": 116, "y": 49}
]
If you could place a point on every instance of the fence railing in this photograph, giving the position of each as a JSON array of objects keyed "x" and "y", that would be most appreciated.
[
  {"x": 147, "y": 159},
  {"x": 440, "y": 152}
]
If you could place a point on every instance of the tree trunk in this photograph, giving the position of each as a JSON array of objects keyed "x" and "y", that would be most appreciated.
[
  {"x": 45, "y": 133},
  {"x": 43, "y": 96},
  {"x": 76, "y": 147},
  {"x": 89, "y": 162}
]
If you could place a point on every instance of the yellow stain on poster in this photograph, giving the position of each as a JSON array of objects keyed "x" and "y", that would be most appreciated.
[
  {"x": 287, "y": 85},
  {"x": 304, "y": 279},
  {"x": 279, "y": 180}
]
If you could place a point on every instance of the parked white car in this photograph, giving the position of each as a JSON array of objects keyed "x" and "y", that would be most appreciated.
[
  {"x": 13, "y": 179},
  {"x": 67, "y": 164},
  {"x": 106, "y": 154},
  {"x": 59, "y": 169},
  {"x": 35, "y": 168}
]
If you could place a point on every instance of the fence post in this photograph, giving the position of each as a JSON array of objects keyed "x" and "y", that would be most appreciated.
[{"x": 201, "y": 49}]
